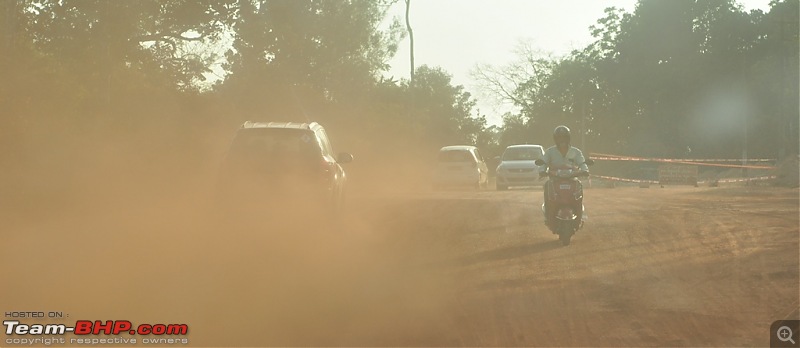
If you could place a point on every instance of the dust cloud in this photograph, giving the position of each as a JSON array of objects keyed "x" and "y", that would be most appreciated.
[
  {"x": 117, "y": 226},
  {"x": 102, "y": 230}
]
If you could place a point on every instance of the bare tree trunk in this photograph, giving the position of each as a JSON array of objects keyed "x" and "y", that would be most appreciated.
[
  {"x": 10, "y": 12},
  {"x": 411, "y": 38},
  {"x": 411, "y": 76},
  {"x": 108, "y": 64}
]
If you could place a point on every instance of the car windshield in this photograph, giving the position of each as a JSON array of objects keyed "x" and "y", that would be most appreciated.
[
  {"x": 521, "y": 154},
  {"x": 275, "y": 144},
  {"x": 456, "y": 156}
]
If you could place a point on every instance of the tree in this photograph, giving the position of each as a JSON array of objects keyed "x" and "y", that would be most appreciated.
[
  {"x": 443, "y": 113},
  {"x": 670, "y": 75},
  {"x": 520, "y": 81},
  {"x": 291, "y": 57},
  {"x": 96, "y": 38}
]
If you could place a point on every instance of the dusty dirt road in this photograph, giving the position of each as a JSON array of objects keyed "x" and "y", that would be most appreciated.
[
  {"x": 665, "y": 267},
  {"x": 653, "y": 267}
]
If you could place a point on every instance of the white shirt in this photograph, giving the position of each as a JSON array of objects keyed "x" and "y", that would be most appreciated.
[{"x": 574, "y": 158}]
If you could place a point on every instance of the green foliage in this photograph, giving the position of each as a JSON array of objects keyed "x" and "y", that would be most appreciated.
[
  {"x": 91, "y": 78},
  {"x": 290, "y": 56},
  {"x": 671, "y": 75}
]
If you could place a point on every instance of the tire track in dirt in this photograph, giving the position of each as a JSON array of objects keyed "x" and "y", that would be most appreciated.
[{"x": 652, "y": 267}]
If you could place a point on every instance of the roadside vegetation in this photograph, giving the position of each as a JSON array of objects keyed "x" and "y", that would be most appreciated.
[{"x": 133, "y": 82}]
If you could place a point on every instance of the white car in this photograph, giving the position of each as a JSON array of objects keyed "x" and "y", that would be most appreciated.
[
  {"x": 517, "y": 167},
  {"x": 460, "y": 166}
]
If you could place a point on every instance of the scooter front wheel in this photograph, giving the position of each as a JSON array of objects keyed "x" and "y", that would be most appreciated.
[
  {"x": 564, "y": 233},
  {"x": 565, "y": 238}
]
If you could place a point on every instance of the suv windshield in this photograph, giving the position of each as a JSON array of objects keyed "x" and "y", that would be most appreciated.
[
  {"x": 521, "y": 154},
  {"x": 456, "y": 156}
]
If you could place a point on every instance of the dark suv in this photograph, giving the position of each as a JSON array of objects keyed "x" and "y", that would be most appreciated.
[{"x": 284, "y": 163}]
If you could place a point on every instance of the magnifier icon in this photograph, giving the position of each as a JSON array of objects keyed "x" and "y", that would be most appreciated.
[{"x": 785, "y": 334}]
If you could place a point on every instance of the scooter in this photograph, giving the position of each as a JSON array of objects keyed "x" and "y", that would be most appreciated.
[{"x": 565, "y": 193}]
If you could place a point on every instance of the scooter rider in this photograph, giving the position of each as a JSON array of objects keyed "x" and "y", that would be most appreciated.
[{"x": 561, "y": 155}]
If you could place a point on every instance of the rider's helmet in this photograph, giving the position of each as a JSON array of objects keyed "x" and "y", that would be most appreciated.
[{"x": 561, "y": 135}]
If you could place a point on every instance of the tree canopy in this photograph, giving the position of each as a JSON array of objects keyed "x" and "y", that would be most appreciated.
[
  {"x": 672, "y": 79},
  {"x": 174, "y": 78}
]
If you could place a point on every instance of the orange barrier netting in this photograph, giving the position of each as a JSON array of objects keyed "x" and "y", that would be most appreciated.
[
  {"x": 613, "y": 178},
  {"x": 605, "y": 157},
  {"x": 619, "y": 157},
  {"x": 769, "y": 177}
]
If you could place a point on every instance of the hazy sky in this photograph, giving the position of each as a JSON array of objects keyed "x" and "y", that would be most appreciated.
[{"x": 458, "y": 34}]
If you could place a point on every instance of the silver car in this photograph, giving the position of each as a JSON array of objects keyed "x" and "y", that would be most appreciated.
[
  {"x": 460, "y": 166},
  {"x": 517, "y": 167}
]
